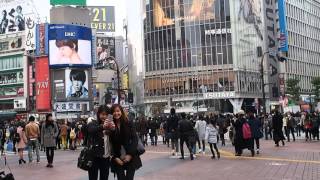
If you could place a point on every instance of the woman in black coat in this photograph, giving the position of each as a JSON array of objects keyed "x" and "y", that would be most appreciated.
[
  {"x": 277, "y": 125},
  {"x": 124, "y": 146},
  {"x": 97, "y": 137}
]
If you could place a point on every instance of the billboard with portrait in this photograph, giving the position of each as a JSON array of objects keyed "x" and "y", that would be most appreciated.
[
  {"x": 43, "y": 102},
  {"x": 69, "y": 46},
  {"x": 164, "y": 11},
  {"x": 105, "y": 47},
  {"x": 102, "y": 18},
  {"x": 77, "y": 83},
  {"x": 12, "y": 16}
]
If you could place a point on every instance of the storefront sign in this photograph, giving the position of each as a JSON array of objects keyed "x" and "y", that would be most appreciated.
[
  {"x": 219, "y": 95},
  {"x": 218, "y": 31},
  {"x": 42, "y": 45},
  {"x": 11, "y": 44},
  {"x": 20, "y": 104},
  {"x": 102, "y": 18},
  {"x": 8, "y": 92},
  {"x": 71, "y": 106}
]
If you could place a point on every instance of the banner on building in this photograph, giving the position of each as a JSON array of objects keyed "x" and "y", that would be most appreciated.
[
  {"x": 42, "y": 43},
  {"x": 105, "y": 48},
  {"x": 13, "y": 16},
  {"x": 283, "y": 40},
  {"x": 68, "y": 2},
  {"x": 102, "y": 18},
  {"x": 76, "y": 106},
  {"x": 11, "y": 44},
  {"x": 43, "y": 101},
  {"x": 30, "y": 33},
  {"x": 69, "y": 46}
]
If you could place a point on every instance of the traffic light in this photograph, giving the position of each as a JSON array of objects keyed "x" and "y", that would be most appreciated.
[{"x": 130, "y": 97}]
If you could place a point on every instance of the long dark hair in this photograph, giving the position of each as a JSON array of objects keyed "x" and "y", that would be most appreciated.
[
  {"x": 123, "y": 117},
  {"x": 102, "y": 109},
  {"x": 47, "y": 120}
]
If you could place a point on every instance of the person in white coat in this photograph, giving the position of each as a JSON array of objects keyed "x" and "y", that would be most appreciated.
[
  {"x": 211, "y": 137},
  {"x": 201, "y": 129}
]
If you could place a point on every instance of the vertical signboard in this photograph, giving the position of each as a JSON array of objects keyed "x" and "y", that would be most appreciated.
[
  {"x": 42, "y": 39},
  {"x": 42, "y": 84},
  {"x": 271, "y": 32},
  {"x": 30, "y": 33},
  {"x": 283, "y": 44}
]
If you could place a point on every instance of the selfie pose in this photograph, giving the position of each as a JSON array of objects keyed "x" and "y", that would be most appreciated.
[{"x": 125, "y": 158}]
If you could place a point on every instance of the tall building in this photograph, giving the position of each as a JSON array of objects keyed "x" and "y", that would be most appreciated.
[
  {"x": 202, "y": 55},
  {"x": 303, "y": 17}
]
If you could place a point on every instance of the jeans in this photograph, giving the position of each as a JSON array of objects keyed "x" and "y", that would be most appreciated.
[
  {"x": 33, "y": 144},
  {"x": 50, "y": 154},
  {"x": 122, "y": 175},
  {"x": 154, "y": 139},
  {"x": 174, "y": 144},
  {"x": 102, "y": 165}
]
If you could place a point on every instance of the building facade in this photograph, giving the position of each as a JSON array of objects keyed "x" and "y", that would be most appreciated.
[
  {"x": 304, "y": 42},
  {"x": 202, "y": 55}
]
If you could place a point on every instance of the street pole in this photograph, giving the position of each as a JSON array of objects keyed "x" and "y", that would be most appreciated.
[
  {"x": 263, "y": 84},
  {"x": 118, "y": 76}
]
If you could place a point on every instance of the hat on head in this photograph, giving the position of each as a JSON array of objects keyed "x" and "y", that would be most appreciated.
[{"x": 241, "y": 112}]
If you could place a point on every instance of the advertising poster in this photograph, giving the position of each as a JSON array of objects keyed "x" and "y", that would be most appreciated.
[
  {"x": 102, "y": 18},
  {"x": 283, "y": 43},
  {"x": 12, "y": 17},
  {"x": 76, "y": 83},
  {"x": 105, "y": 47},
  {"x": 43, "y": 102},
  {"x": 69, "y": 46},
  {"x": 196, "y": 10}
]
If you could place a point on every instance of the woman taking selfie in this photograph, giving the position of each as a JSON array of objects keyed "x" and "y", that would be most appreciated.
[
  {"x": 98, "y": 138},
  {"x": 125, "y": 158}
]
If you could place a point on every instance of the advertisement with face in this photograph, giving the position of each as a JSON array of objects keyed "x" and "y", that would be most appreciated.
[
  {"x": 164, "y": 11},
  {"x": 69, "y": 46},
  {"x": 76, "y": 83},
  {"x": 105, "y": 47},
  {"x": 12, "y": 16}
]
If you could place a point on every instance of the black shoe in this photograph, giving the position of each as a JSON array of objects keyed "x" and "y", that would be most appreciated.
[
  {"x": 24, "y": 162},
  {"x": 213, "y": 157},
  {"x": 48, "y": 165},
  {"x": 191, "y": 157},
  {"x": 283, "y": 143},
  {"x": 20, "y": 161},
  {"x": 182, "y": 158}
]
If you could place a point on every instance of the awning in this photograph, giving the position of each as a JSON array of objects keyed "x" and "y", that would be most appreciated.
[{"x": 7, "y": 115}]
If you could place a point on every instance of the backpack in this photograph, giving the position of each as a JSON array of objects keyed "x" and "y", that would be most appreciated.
[
  {"x": 246, "y": 131},
  {"x": 73, "y": 134}
]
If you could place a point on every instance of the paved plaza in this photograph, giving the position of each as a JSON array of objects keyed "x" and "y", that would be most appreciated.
[{"x": 295, "y": 161}]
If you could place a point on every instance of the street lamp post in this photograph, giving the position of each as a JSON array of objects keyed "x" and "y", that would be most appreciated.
[{"x": 263, "y": 84}]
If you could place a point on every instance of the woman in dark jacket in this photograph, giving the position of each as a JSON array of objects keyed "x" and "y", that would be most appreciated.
[
  {"x": 124, "y": 146},
  {"x": 97, "y": 137},
  {"x": 277, "y": 125},
  {"x": 256, "y": 129}
]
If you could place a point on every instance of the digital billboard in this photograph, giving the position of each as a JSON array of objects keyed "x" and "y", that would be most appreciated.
[
  {"x": 43, "y": 102},
  {"x": 76, "y": 83},
  {"x": 164, "y": 11},
  {"x": 102, "y": 18},
  {"x": 69, "y": 45}
]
